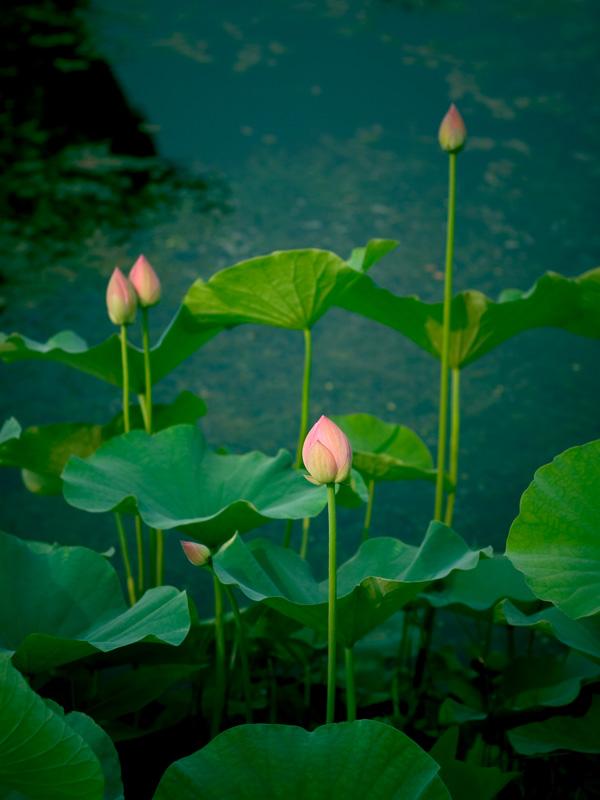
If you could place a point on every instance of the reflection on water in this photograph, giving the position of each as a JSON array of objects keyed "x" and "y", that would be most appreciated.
[
  {"x": 322, "y": 118},
  {"x": 76, "y": 155}
]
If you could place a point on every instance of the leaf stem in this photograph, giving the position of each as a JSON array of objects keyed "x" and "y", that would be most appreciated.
[
  {"x": 125, "y": 363},
  {"x": 443, "y": 416},
  {"x": 350, "y": 684},
  {"x": 305, "y": 533},
  {"x": 126, "y": 559},
  {"x": 331, "y": 636},
  {"x": 454, "y": 439},
  {"x": 220, "y": 662},
  {"x": 243, "y": 651},
  {"x": 140, "y": 554},
  {"x": 287, "y": 534},
  {"x": 367, "y": 526}
]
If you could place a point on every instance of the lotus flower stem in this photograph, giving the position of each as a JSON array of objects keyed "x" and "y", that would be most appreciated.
[
  {"x": 305, "y": 533},
  {"x": 126, "y": 559},
  {"x": 140, "y": 550},
  {"x": 350, "y": 685},
  {"x": 454, "y": 438},
  {"x": 443, "y": 418},
  {"x": 367, "y": 527},
  {"x": 331, "y": 637},
  {"x": 124, "y": 360},
  {"x": 239, "y": 624},
  {"x": 147, "y": 372},
  {"x": 287, "y": 535},
  {"x": 160, "y": 557},
  {"x": 221, "y": 657}
]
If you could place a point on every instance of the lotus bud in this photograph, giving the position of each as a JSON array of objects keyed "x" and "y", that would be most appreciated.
[
  {"x": 327, "y": 453},
  {"x": 453, "y": 133},
  {"x": 197, "y": 554},
  {"x": 145, "y": 282},
  {"x": 121, "y": 299}
]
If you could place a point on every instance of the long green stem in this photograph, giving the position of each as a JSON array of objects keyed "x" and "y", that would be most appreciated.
[
  {"x": 331, "y": 638},
  {"x": 220, "y": 659},
  {"x": 454, "y": 438},
  {"x": 443, "y": 417},
  {"x": 367, "y": 526},
  {"x": 287, "y": 534},
  {"x": 160, "y": 557},
  {"x": 350, "y": 684},
  {"x": 305, "y": 534},
  {"x": 140, "y": 551},
  {"x": 126, "y": 559},
  {"x": 243, "y": 652},
  {"x": 152, "y": 546},
  {"x": 125, "y": 363},
  {"x": 147, "y": 373}
]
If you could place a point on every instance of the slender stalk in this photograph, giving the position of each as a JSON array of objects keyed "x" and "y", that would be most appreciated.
[
  {"x": 454, "y": 438},
  {"x": 153, "y": 559},
  {"x": 220, "y": 659},
  {"x": 147, "y": 374},
  {"x": 305, "y": 533},
  {"x": 126, "y": 559},
  {"x": 350, "y": 684},
  {"x": 367, "y": 526},
  {"x": 331, "y": 638},
  {"x": 140, "y": 549},
  {"x": 243, "y": 651},
  {"x": 443, "y": 418},
  {"x": 125, "y": 363},
  {"x": 160, "y": 557},
  {"x": 287, "y": 535}
]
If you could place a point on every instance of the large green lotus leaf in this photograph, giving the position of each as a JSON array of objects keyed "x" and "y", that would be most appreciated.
[
  {"x": 478, "y": 323},
  {"x": 467, "y": 781},
  {"x": 546, "y": 681},
  {"x": 176, "y": 481},
  {"x": 555, "y": 540},
  {"x": 478, "y": 591},
  {"x": 42, "y": 452},
  {"x": 362, "y": 760},
  {"x": 182, "y": 338},
  {"x": 41, "y": 755},
  {"x": 104, "y": 750},
  {"x": 70, "y": 604},
  {"x": 378, "y": 581},
  {"x": 382, "y": 451},
  {"x": 287, "y": 289},
  {"x": 363, "y": 258},
  {"x": 581, "y": 734},
  {"x": 580, "y": 634}
]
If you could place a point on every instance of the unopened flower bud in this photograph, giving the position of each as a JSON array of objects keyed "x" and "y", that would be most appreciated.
[
  {"x": 453, "y": 133},
  {"x": 145, "y": 282},
  {"x": 121, "y": 299},
  {"x": 197, "y": 554},
  {"x": 327, "y": 453}
]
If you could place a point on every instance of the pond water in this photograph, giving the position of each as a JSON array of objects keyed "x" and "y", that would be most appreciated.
[{"x": 314, "y": 124}]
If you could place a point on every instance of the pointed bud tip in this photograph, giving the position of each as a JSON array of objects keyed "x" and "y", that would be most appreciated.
[
  {"x": 196, "y": 553},
  {"x": 121, "y": 299},
  {"x": 452, "y": 135},
  {"x": 145, "y": 282}
]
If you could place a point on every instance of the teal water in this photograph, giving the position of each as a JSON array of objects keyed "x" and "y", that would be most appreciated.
[{"x": 320, "y": 119}]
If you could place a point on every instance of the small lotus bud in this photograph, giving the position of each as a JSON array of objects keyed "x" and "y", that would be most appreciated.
[
  {"x": 197, "y": 554},
  {"x": 327, "y": 453},
  {"x": 145, "y": 282},
  {"x": 121, "y": 299},
  {"x": 453, "y": 133}
]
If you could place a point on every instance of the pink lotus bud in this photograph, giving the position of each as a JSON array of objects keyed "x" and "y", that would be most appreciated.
[
  {"x": 453, "y": 133},
  {"x": 121, "y": 299},
  {"x": 197, "y": 554},
  {"x": 327, "y": 453},
  {"x": 145, "y": 282}
]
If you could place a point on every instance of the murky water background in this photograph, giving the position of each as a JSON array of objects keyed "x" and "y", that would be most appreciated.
[{"x": 319, "y": 120}]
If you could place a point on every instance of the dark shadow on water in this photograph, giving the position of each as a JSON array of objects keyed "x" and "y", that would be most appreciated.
[{"x": 75, "y": 157}]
